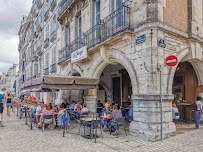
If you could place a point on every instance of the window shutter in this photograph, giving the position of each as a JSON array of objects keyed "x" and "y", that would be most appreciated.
[
  {"x": 93, "y": 12},
  {"x": 57, "y": 15},
  {"x": 76, "y": 27},
  {"x": 66, "y": 35},
  {"x": 112, "y": 6}
]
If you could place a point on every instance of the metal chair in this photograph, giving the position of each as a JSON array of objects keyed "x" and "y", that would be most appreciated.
[
  {"x": 119, "y": 122},
  {"x": 47, "y": 117}
]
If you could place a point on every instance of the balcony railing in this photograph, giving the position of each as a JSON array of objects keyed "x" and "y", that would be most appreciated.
[
  {"x": 39, "y": 50},
  {"x": 53, "y": 5},
  {"x": 53, "y": 35},
  {"x": 46, "y": 43},
  {"x": 39, "y": 4},
  {"x": 116, "y": 22},
  {"x": 46, "y": 71},
  {"x": 76, "y": 44},
  {"x": 64, "y": 5},
  {"x": 46, "y": 15},
  {"x": 65, "y": 53},
  {"x": 53, "y": 68}
]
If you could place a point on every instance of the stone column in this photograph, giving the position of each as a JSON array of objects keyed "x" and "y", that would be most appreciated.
[
  {"x": 147, "y": 116},
  {"x": 90, "y": 99}
]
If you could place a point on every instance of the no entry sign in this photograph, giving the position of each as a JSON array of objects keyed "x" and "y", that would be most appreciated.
[{"x": 171, "y": 60}]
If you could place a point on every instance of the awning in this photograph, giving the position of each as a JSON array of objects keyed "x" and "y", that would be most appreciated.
[{"x": 47, "y": 83}]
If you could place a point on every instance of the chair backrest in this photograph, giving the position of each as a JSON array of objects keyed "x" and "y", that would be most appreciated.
[
  {"x": 120, "y": 121},
  {"x": 48, "y": 116}
]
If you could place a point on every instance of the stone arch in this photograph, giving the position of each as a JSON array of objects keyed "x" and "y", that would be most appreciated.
[
  {"x": 116, "y": 56},
  {"x": 184, "y": 55}
]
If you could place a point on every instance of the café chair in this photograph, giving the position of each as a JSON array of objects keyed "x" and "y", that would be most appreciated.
[
  {"x": 47, "y": 117},
  {"x": 119, "y": 122}
]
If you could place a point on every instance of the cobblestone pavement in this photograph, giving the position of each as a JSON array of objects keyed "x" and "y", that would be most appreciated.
[{"x": 17, "y": 137}]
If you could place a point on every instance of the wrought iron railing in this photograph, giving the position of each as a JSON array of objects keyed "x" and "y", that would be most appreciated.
[
  {"x": 53, "y": 35},
  {"x": 64, "y": 54},
  {"x": 46, "y": 15},
  {"x": 53, "y": 5},
  {"x": 112, "y": 24},
  {"x": 64, "y": 5},
  {"x": 46, "y": 71},
  {"x": 46, "y": 43},
  {"x": 53, "y": 68}
]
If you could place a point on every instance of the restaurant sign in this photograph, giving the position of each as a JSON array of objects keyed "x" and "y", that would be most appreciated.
[{"x": 78, "y": 55}]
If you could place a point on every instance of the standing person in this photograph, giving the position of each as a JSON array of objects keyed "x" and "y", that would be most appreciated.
[
  {"x": 9, "y": 102},
  {"x": 1, "y": 108},
  {"x": 198, "y": 111},
  {"x": 65, "y": 104}
]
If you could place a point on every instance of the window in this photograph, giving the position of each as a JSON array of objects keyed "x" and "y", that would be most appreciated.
[
  {"x": 54, "y": 55},
  {"x": 78, "y": 27},
  {"x": 97, "y": 11},
  {"x": 47, "y": 60},
  {"x": 53, "y": 24},
  {"x": 47, "y": 32}
]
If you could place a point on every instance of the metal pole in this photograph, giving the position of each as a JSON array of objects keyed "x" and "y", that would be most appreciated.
[{"x": 161, "y": 104}]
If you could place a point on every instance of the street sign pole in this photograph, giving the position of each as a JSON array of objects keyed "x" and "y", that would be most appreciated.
[
  {"x": 161, "y": 112},
  {"x": 161, "y": 106}
]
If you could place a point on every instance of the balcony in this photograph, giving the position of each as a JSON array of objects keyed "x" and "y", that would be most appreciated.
[
  {"x": 46, "y": 43},
  {"x": 53, "y": 5},
  {"x": 39, "y": 4},
  {"x": 53, "y": 35},
  {"x": 64, "y": 55},
  {"x": 39, "y": 50},
  {"x": 114, "y": 24},
  {"x": 46, "y": 71},
  {"x": 46, "y": 15},
  {"x": 64, "y": 5},
  {"x": 53, "y": 68}
]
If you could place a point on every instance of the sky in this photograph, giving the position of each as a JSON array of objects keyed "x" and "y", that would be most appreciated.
[{"x": 11, "y": 13}]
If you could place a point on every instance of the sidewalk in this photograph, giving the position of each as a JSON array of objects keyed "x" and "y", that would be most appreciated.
[{"x": 17, "y": 137}]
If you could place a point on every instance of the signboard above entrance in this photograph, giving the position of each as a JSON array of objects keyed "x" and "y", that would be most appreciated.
[
  {"x": 78, "y": 55},
  {"x": 171, "y": 61}
]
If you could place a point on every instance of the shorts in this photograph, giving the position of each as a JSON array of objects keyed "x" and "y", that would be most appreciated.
[
  {"x": 8, "y": 104},
  {"x": 1, "y": 108}
]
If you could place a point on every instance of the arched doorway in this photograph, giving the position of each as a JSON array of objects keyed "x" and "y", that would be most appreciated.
[
  {"x": 185, "y": 83},
  {"x": 115, "y": 85}
]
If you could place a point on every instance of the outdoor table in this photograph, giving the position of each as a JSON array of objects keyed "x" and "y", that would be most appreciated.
[{"x": 183, "y": 110}]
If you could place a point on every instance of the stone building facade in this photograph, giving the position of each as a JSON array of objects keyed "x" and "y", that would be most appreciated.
[
  {"x": 127, "y": 33},
  {"x": 124, "y": 43}
]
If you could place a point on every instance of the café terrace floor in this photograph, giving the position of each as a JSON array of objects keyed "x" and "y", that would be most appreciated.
[{"x": 17, "y": 137}]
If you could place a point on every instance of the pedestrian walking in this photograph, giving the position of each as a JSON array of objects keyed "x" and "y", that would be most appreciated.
[
  {"x": 198, "y": 111},
  {"x": 1, "y": 108},
  {"x": 9, "y": 102}
]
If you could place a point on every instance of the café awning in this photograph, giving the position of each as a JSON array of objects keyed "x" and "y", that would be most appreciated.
[{"x": 48, "y": 83}]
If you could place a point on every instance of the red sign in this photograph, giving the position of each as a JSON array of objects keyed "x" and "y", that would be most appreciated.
[{"x": 171, "y": 60}]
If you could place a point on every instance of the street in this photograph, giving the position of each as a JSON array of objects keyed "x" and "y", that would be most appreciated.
[{"x": 17, "y": 137}]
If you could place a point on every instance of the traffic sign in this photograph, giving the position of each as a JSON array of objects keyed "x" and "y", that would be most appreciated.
[{"x": 171, "y": 60}]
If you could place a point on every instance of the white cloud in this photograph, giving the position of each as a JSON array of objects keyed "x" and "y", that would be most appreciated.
[{"x": 11, "y": 12}]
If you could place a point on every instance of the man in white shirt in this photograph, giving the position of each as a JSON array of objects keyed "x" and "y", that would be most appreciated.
[{"x": 199, "y": 111}]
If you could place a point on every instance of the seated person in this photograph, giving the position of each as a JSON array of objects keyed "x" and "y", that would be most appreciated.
[
  {"x": 47, "y": 111},
  {"x": 78, "y": 107},
  {"x": 53, "y": 107},
  {"x": 115, "y": 114},
  {"x": 39, "y": 110},
  {"x": 84, "y": 109},
  {"x": 61, "y": 117},
  {"x": 72, "y": 106},
  {"x": 174, "y": 111},
  {"x": 105, "y": 113}
]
